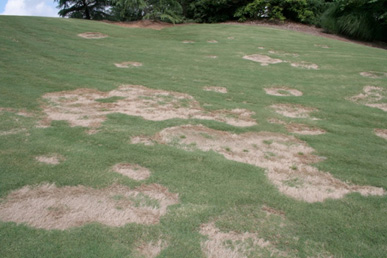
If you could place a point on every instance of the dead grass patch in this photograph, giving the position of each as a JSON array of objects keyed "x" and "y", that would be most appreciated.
[
  {"x": 215, "y": 89},
  {"x": 50, "y": 207},
  {"x": 212, "y": 41},
  {"x": 283, "y": 91},
  {"x": 305, "y": 65},
  {"x": 285, "y": 158},
  {"x": 132, "y": 171},
  {"x": 80, "y": 108},
  {"x": 52, "y": 159},
  {"x": 293, "y": 110},
  {"x": 188, "y": 41},
  {"x": 212, "y": 57},
  {"x": 92, "y": 35},
  {"x": 151, "y": 249},
  {"x": 374, "y": 75},
  {"x": 19, "y": 112},
  {"x": 381, "y": 133},
  {"x": 128, "y": 64},
  {"x": 232, "y": 244},
  {"x": 298, "y": 128},
  {"x": 13, "y": 131},
  {"x": 141, "y": 139},
  {"x": 372, "y": 97},
  {"x": 264, "y": 60},
  {"x": 230, "y": 38}
]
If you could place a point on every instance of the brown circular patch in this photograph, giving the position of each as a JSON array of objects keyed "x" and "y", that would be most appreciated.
[
  {"x": 92, "y": 35},
  {"x": 264, "y": 60},
  {"x": 293, "y": 110}
]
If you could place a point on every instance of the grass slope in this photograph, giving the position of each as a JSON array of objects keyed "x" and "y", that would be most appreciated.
[{"x": 41, "y": 55}]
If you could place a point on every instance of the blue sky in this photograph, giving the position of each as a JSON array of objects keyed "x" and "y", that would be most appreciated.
[{"x": 29, "y": 7}]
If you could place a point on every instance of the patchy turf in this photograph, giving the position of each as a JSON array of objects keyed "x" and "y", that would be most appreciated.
[{"x": 189, "y": 155}]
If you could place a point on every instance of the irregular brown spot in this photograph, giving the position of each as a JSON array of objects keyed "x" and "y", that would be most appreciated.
[
  {"x": 285, "y": 158},
  {"x": 264, "y": 60},
  {"x": 146, "y": 140},
  {"x": 305, "y": 65},
  {"x": 188, "y": 41},
  {"x": 151, "y": 249},
  {"x": 283, "y": 91},
  {"x": 381, "y": 133},
  {"x": 298, "y": 128},
  {"x": 374, "y": 75},
  {"x": 127, "y": 64},
  {"x": 293, "y": 110},
  {"x": 132, "y": 171},
  {"x": 215, "y": 89},
  {"x": 80, "y": 108},
  {"x": 212, "y": 41},
  {"x": 52, "y": 159},
  {"x": 50, "y": 207},
  {"x": 92, "y": 35},
  {"x": 372, "y": 97}
]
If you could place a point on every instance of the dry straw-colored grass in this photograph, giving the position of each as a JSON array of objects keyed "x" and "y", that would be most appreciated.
[
  {"x": 305, "y": 65},
  {"x": 283, "y": 92},
  {"x": 286, "y": 160},
  {"x": 381, "y": 133},
  {"x": 50, "y": 207},
  {"x": 212, "y": 41},
  {"x": 141, "y": 139},
  {"x": 133, "y": 171},
  {"x": 215, "y": 89},
  {"x": 151, "y": 249},
  {"x": 52, "y": 159},
  {"x": 298, "y": 128},
  {"x": 128, "y": 64},
  {"x": 293, "y": 110},
  {"x": 373, "y": 74},
  {"x": 92, "y": 35},
  {"x": 81, "y": 107},
  {"x": 263, "y": 59},
  {"x": 188, "y": 41},
  {"x": 372, "y": 97}
]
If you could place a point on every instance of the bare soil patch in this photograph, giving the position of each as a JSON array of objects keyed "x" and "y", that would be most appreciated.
[
  {"x": 151, "y": 249},
  {"x": 374, "y": 75},
  {"x": 52, "y": 159},
  {"x": 298, "y": 128},
  {"x": 50, "y": 207},
  {"x": 293, "y": 110},
  {"x": 283, "y": 91},
  {"x": 92, "y": 35},
  {"x": 381, "y": 133},
  {"x": 305, "y": 65},
  {"x": 373, "y": 97},
  {"x": 232, "y": 244},
  {"x": 128, "y": 64},
  {"x": 132, "y": 171},
  {"x": 80, "y": 108},
  {"x": 285, "y": 158},
  {"x": 215, "y": 89},
  {"x": 264, "y": 60}
]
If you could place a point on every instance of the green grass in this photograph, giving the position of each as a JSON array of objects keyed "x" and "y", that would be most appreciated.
[{"x": 41, "y": 55}]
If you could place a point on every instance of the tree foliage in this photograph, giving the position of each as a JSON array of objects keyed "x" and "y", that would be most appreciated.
[{"x": 85, "y": 9}]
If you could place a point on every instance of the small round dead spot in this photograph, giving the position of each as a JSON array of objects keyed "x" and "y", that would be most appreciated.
[
  {"x": 381, "y": 133},
  {"x": 264, "y": 60},
  {"x": 128, "y": 64},
  {"x": 283, "y": 91},
  {"x": 132, "y": 171},
  {"x": 230, "y": 38},
  {"x": 188, "y": 41},
  {"x": 305, "y": 65},
  {"x": 373, "y": 74},
  {"x": 146, "y": 140},
  {"x": 321, "y": 46},
  {"x": 50, "y": 207},
  {"x": 212, "y": 41},
  {"x": 215, "y": 89},
  {"x": 52, "y": 159},
  {"x": 212, "y": 57},
  {"x": 92, "y": 35},
  {"x": 261, "y": 48},
  {"x": 293, "y": 110}
]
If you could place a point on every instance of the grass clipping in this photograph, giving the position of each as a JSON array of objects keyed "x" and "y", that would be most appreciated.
[
  {"x": 89, "y": 107},
  {"x": 285, "y": 158},
  {"x": 50, "y": 207}
]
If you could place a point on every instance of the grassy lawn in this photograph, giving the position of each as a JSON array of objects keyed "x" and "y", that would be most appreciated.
[{"x": 226, "y": 206}]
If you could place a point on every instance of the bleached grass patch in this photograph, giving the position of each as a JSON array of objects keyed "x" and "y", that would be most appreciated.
[
  {"x": 215, "y": 89},
  {"x": 92, "y": 35},
  {"x": 293, "y": 110},
  {"x": 50, "y": 207},
  {"x": 52, "y": 159},
  {"x": 19, "y": 112},
  {"x": 151, "y": 249},
  {"x": 374, "y": 75},
  {"x": 232, "y": 244},
  {"x": 263, "y": 59},
  {"x": 13, "y": 131},
  {"x": 188, "y": 41},
  {"x": 141, "y": 139},
  {"x": 283, "y": 91},
  {"x": 298, "y": 128},
  {"x": 128, "y": 64},
  {"x": 212, "y": 41},
  {"x": 381, "y": 133},
  {"x": 305, "y": 65},
  {"x": 285, "y": 158},
  {"x": 132, "y": 171},
  {"x": 372, "y": 97},
  {"x": 89, "y": 107}
]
